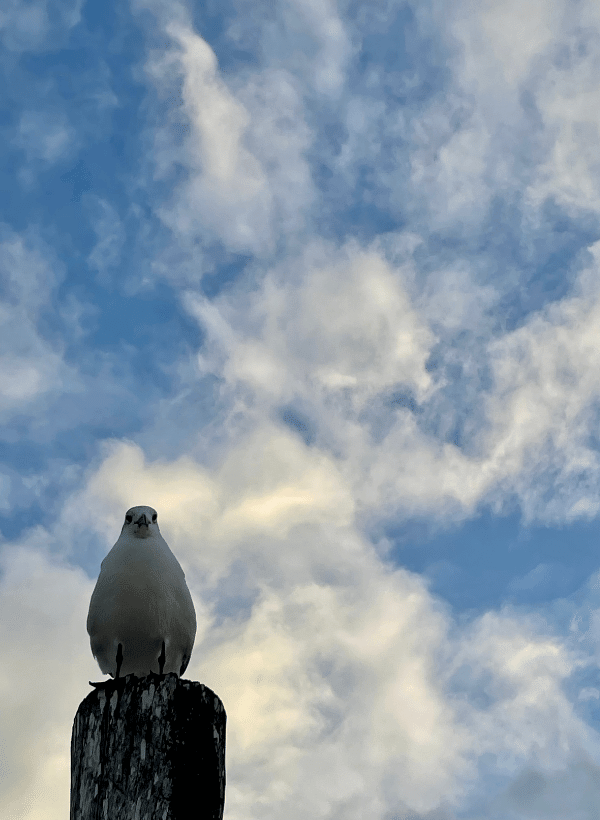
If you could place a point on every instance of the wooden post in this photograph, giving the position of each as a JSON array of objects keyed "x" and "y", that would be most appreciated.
[{"x": 149, "y": 748}]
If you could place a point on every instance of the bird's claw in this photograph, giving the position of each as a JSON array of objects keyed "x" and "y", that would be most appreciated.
[{"x": 111, "y": 683}]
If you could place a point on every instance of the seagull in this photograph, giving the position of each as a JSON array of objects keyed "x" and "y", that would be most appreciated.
[{"x": 141, "y": 618}]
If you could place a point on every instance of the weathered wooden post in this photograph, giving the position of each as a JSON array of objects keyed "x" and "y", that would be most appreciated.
[{"x": 149, "y": 748}]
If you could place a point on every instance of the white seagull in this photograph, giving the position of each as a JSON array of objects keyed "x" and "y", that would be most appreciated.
[{"x": 141, "y": 617}]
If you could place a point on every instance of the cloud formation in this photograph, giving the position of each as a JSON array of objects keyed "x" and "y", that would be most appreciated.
[{"x": 303, "y": 276}]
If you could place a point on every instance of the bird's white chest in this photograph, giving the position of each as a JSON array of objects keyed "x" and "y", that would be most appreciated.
[{"x": 137, "y": 585}]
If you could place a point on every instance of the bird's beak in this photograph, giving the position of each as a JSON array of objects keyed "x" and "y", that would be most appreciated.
[{"x": 142, "y": 521}]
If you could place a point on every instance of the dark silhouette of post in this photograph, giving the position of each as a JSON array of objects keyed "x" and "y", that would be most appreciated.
[{"x": 151, "y": 748}]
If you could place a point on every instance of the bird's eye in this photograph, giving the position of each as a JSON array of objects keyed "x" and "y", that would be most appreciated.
[
  {"x": 129, "y": 519},
  {"x": 154, "y": 517}
]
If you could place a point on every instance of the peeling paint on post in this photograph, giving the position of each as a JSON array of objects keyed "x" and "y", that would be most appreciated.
[{"x": 150, "y": 748}]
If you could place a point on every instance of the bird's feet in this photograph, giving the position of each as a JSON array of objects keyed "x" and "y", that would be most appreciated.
[
  {"x": 110, "y": 685},
  {"x": 102, "y": 684},
  {"x": 117, "y": 682}
]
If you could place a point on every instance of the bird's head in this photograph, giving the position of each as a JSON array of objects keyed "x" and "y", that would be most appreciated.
[{"x": 141, "y": 522}]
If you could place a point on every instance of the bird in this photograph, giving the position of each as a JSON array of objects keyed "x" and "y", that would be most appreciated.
[{"x": 141, "y": 618}]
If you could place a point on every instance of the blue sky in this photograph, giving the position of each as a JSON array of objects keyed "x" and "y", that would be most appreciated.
[{"x": 321, "y": 283}]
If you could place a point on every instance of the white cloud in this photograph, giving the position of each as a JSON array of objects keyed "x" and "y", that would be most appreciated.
[
  {"x": 44, "y": 135},
  {"x": 265, "y": 490},
  {"x": 451, "y": 167},
  {"x": 453, "y": 301},
  {"x": 37, "y": 25},
  {"x": 503, "y": 38},
  {"x": 569, "y": 103},
  {"x": 248, "y": 180},
  {"x": 326, "y": 322},
  {"x": 226, "y": 192},
  {"x": 542, "y": 406},
  {"x": 278, "y": 136},
  {"x": 538, "y": 576},
  {"x": 335, "y": 329},
  {"x": 537, "y": 431},
  {"x": 345, "y": 682},
  {"x": 23, "y": 379},
  {"x": 340, "y": 681},
  {"x": 43, "y": 606},
  {"x": 337, "y": 333},
  {"x": 322, "y": 21},
  {"x": 546, "y": 49},
  {"x": 309, "y": 38},
  {"x": 521, "y": 673},
  {"x": 572, "y": 792},
  {"x": 29, "y": 365},
  {"x": 110, "y": 234}
]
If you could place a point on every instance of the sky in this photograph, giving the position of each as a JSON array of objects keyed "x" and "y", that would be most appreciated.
[{"x": 320, "y": 282}]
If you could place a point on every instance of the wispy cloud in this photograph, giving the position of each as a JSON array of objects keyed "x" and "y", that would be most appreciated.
[{"x": 37, "y": 25}]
